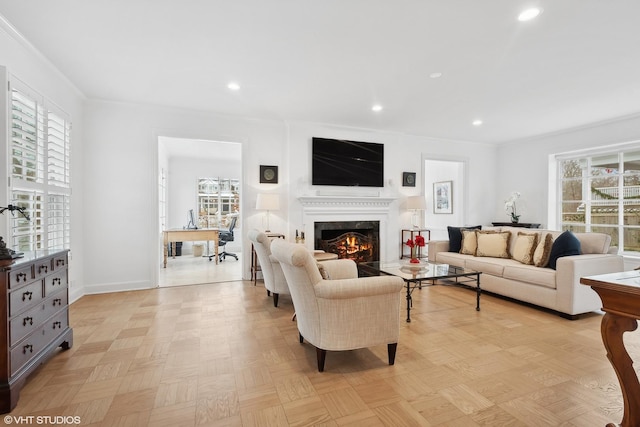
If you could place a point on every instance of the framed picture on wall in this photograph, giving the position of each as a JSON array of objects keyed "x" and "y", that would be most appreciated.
[
  {"x": 268, "y": 174},
  {"x": 408, "y": 179},
  {"x": 443, "y": 197}
]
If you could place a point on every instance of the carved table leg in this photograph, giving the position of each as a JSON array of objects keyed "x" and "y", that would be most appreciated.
[{"x": 613, "y": 327}]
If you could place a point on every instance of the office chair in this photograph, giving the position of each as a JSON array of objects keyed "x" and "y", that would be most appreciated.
[{"x": 223, "y": 238}]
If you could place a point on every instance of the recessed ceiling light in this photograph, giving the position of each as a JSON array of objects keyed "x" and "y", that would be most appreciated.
[
  {"x": 529, "y": 14},
  {"x": 376, "y": 108},
  {"x": 477, "y": 122},
  {"x": 233, "y": 86},
  {"x": 435, "y": 75}
]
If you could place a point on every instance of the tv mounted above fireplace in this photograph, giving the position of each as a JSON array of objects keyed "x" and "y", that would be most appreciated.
[{"x": 347, "y": 163}]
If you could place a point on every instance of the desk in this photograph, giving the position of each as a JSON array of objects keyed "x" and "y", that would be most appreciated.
[
  {"x": 620, "y": 295},
  {"x": 189, "y": 235}
]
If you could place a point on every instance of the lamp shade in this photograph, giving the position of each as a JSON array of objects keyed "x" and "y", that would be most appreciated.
[
  {"x": 416, "y": 203},
  {"x": 268, "y": 202}
]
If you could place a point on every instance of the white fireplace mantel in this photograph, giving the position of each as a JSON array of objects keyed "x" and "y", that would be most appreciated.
[
  {"x": 357, "y": 202},
  {"x": 347, "y": 208}
]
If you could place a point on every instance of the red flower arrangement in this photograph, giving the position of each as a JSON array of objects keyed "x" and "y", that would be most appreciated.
[{"x": 413, "y": 244}]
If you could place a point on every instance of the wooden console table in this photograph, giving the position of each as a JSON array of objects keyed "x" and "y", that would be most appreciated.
[
  {"x": 189, "y": 235},
  {"x": 620, "y": 294},
  {"x": 515, "y": 224}
]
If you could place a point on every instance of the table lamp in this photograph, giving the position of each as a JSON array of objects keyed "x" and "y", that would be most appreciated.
[
  {"x": 416, "y": 204},
  {"x": 268, "y": 202}
]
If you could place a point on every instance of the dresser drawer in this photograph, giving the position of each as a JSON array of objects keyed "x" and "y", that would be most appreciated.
[
  {"x": 23, "y": 324},
  {"x": 55, "y": 325},
  {"x": 60, "y": 262},
  {"x": 20, "y": 276},
  {"x": 55, "y": 282},
  {"x": 42, "y": 267},
  {"x": 27, "y": 349},
  {"x": 25, "y": 297}
]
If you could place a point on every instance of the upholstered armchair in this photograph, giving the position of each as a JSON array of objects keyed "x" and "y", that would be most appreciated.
[
  {"x": 340, "y": 313},
  {"x": 274, "y": 280}
]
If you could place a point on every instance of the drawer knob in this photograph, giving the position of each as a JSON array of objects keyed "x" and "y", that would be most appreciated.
[
  {"x": 57, "y": 301},
  {"x": 57, "y": 325},
  {"x": 57, "y": 281},
  {"x": 43, "y": 267},
  {"x": 21, "y": 276},
  {"x": 27, "y": 296},
  {"x": 27, "y": 348},
  {"x": 59, "y": 262},
  {"x": 28, "y": 320}
]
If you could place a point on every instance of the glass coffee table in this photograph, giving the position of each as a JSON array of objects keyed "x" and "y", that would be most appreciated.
[{"x": 414, "y": 275}]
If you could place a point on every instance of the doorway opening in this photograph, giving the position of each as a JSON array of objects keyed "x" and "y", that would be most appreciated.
[{"x": 199, "y": 185}]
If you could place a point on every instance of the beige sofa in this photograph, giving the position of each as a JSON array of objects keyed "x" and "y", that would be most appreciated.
[{"x": 559, "y": 290}]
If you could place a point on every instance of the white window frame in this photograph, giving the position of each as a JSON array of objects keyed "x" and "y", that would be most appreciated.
[
  {"x": 586, "y": 156},
  {"x": 45, "y": 189}
]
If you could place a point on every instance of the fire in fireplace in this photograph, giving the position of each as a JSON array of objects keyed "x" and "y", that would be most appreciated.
[{"x": 356, "y": 240}]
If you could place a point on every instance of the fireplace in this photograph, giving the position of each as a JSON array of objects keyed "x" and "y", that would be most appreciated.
[
  {"x": 351, "y": 208},
  {"x": 356, "y": 240}
]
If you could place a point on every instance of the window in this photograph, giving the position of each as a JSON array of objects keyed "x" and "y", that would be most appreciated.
[
  {"x": 39, "y": 171},
  {"x": 218, "y": 200},
  {"x": 601, "y": 193}
]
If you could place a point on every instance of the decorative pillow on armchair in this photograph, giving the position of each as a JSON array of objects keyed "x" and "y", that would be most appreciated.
[
  {"x": 455, "y": 236},
  {"x": 493, "y": 243}
]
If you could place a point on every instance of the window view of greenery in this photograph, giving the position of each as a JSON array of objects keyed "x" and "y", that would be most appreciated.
[
  {"x": 218, "y": 202},
  {"x": 602, "y": 194}
]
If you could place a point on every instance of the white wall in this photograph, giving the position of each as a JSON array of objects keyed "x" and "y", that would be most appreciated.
[
  {"x": 122, "y": 153},
  {"x": 524, "y": 165},
  {"x": 24, "y": 63},
  {"x": 403, "y": 153}
]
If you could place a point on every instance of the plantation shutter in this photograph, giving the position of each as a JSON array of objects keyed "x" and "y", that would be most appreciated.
[{"x": 40, "y": 172}]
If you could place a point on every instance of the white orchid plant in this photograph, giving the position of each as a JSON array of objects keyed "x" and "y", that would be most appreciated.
[{"x": 510, "y": 206}]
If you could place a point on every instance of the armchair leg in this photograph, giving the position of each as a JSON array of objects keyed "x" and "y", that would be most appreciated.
[
  {"x": 301, "y": 338},
  {"x": 275, "y": 299},
  {"x": 268, "y": 293},
  {"x": 391, "y": 350},
  {"x": 321, "y": 355}
]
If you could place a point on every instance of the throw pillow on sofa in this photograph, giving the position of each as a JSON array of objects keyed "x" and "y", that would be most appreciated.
[
  {"x": 455, "y": 236},
  {"x": 565, "y": 244},
  {"x": 543, "y": 251},
  {"x": 493, "y": 243},
  {"x": 524, "y": 247},
  {"x": 469, "y": 242}
]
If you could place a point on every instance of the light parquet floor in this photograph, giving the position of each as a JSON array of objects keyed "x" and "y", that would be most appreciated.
[{"x": 222, "y": 355}]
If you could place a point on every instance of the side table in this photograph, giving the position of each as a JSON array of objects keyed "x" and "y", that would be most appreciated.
[
  {"x": 411, "y": 233},
  {"x": 620, "y": 295},
  {"x": 255, "y": 266}
]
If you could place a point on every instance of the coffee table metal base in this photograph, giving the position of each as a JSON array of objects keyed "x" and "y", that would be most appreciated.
[{"x": 411, "y": 285}]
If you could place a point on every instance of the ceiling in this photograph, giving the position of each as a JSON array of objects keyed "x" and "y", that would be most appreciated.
[{"x": 329, "y": 61}]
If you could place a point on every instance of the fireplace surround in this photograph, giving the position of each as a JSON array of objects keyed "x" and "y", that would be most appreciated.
[
  {"x": 354, "y": 209},
  {"x": 356, "y": 240}
]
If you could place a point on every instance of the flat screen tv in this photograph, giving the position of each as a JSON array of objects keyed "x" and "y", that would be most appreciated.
[{"x": 347, "y": 163}]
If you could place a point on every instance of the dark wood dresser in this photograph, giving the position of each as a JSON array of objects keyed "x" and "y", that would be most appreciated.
[{"x": 34, "y": 316}]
